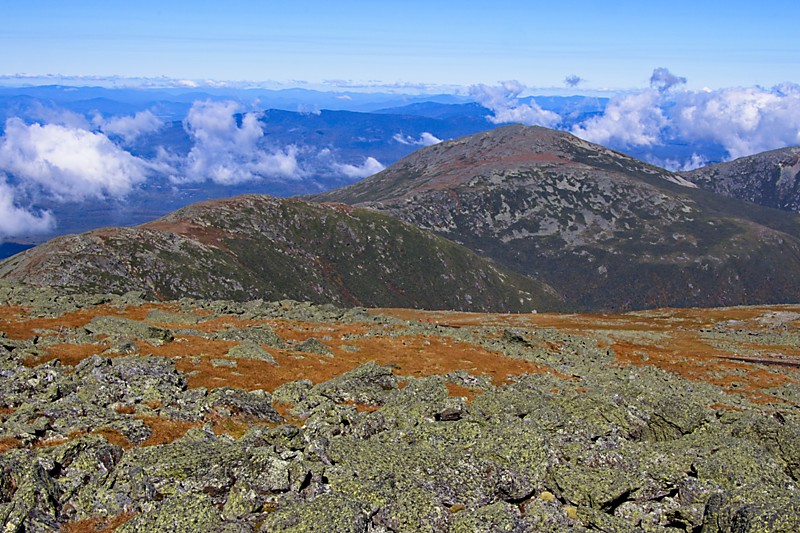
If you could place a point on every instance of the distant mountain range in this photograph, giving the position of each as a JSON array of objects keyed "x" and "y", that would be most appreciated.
[
  {"x": 323, "y": 140},
  {"x": 328, "y": 137},
  {"x": 552, "y": 222}
]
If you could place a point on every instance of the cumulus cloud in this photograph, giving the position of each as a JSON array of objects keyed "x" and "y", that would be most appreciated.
[
  {"x": 506, "y": 107},
  {"x": 18, "y": 221},
  {"x": 425, "y": 139},
  {"x": 368, "y": 168},
  {"x": 742, "y": 121},
  {"x": 68, "y": 164},
  {"x": 129, "y": 127},
  {"x": 632, "y": 120},
  {"x": 663, "y": 80},
  {"x": 227, "y": 147}
]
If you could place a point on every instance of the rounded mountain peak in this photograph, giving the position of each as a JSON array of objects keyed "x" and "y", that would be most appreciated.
[{"x": 496, "y": 153}]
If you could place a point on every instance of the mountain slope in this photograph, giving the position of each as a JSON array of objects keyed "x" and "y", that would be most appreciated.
[
  {"x": 769, "y": 178},
  {"x": 605, "y": 230},
  {"x": 256, "y": 246}
]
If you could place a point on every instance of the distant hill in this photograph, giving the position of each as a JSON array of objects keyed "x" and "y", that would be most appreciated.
[
  {"x": 255, "y": 246},
  {"x": 769, "y": 178},
  {"x": 605, "y": 230}
]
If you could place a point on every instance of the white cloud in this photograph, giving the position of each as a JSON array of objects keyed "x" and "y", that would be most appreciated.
[
  {"x": 227, "y": 151},
  {"x": 504, "y": 103},
  {"x": 743, "y": 121},
  {"x": 425, "y": 139},
  {"x": 632, "y": 120},
  {"x": 18, "y": 221},
  {"x": 68, "y": 164},
  {"x": 129, "y": 127},
  {"x": 675, "y": 165},
  {"x": 368, "y": 168}
]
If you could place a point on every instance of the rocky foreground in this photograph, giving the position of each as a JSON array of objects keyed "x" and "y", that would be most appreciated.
[{"x": 120, "y": 414}]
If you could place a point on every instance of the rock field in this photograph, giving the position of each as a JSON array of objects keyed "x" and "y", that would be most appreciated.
[{"x": 119, "y": 414}]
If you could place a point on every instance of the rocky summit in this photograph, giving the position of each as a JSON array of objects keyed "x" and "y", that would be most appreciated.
[
  {"x": 119, "y": 414},
  {"x": 606, "y": 231},
  {"x": 257, "y": 246},
  {"x": 769, "y": 178}
]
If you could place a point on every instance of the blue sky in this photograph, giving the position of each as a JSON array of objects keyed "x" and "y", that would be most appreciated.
[{"x": 613, "y": 45}]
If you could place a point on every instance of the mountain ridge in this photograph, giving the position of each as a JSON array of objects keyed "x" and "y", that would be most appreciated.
[
  {"x": 255, "y": 246},
  {"x": 605, "y": 230},
  {"x": 769, "y": 178}
]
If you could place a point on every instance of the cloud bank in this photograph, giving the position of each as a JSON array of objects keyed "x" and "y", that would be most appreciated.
[
  {"x": 740, "y": 120},
  {"x": 743, "y": 121}
]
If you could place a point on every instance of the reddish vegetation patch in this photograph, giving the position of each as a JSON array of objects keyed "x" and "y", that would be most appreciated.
[
  {"x": 165, "y": 431},
  {"x": 677, "y": 348},
  {"x": 114, "y": 437},
  {"x": 674, "y": 343},
  {"x": 17, "y": 325},
  {"x": 9, "y": 444},
  {"x": 458, "y": 390},
  {"x": 204, "y": 234},
  {"x": 696, "y": 361},
  {"x": 96, "y": 525},
  {"x": 68, "y": 354}
]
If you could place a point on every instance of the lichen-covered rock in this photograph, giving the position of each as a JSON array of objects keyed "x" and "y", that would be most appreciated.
[
  {"x": 80, "y": 467},
  {"x": 44, "y": 383},
  {"x": 497, "y": 517},
  {"x": 166, "y": 317},
  {"x": 776, "y": 432},
  {"x": 329, "y": 512},
  {"x": 416, "y": 472},
  {"x": 181, "y": 512},
  {"x": 197, "y": 463},
  {"x": 369, "y": 384},
  {"x": 250, "y": 350},
  {"x": 293, "y": 392},
  {"x": 125, "y": 328},
  {"x": 589, "y": 446},
  {"x": 261, "y": 334},
  {"x": 547, "y": 515},
  {"x": 752, "y": 512},
  {"x": 131, "y": 379},
  {"x": 283, "y": 439},
  {"x": 31, "y": 495},
  {"x": 312, "y": 345},
  {"x": 254, "y": 405}
]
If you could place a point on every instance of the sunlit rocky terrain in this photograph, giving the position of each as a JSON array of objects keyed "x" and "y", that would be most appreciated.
[{"x": 121, "y": 414}]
